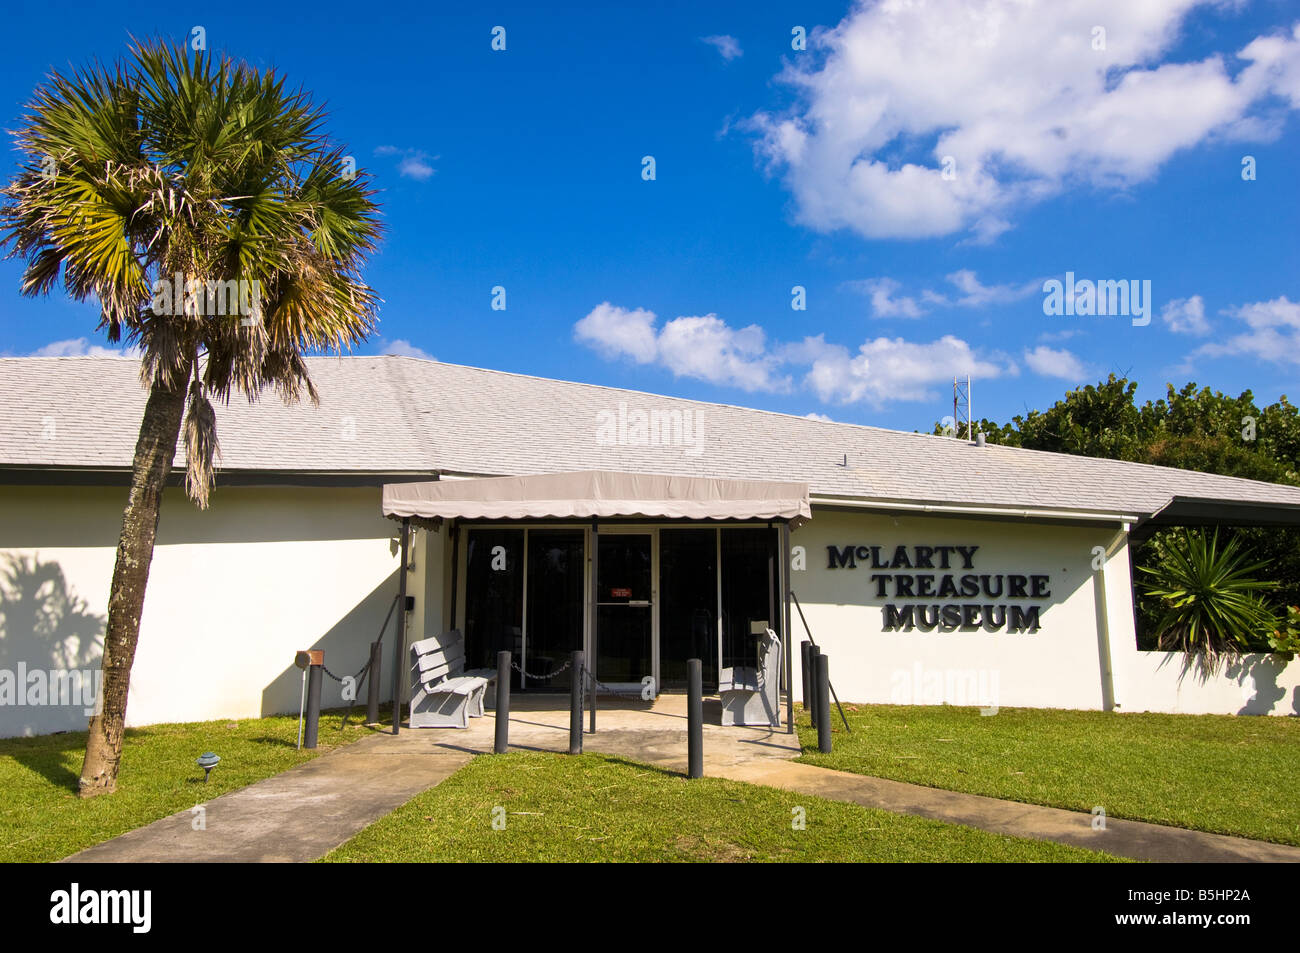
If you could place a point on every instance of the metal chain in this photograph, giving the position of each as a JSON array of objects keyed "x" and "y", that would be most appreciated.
[
  {"x": 356, "y": 678},
  {"x": 609, "y": 690},
  {"x": 518, "y": 668}
]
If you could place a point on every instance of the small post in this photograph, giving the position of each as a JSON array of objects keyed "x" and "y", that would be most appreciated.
[
  {"x": 695, "y": 718},
  {"x": 503, "y": 702},
  {"x": 575, "y": 704},
  {"x": 813, "y": 709},
  {"x": 314, "y": 673},
  {"x": 372, "y": 685},
  {"x": 806, "y": 673},
  {"x": 823, "y": 704},
  {"x": 399, "y": 641}
]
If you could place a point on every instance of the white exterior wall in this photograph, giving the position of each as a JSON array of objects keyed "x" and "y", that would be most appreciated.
[
  {"x": 1084, "y": 655},
  {"x": 234, "y": 592}
]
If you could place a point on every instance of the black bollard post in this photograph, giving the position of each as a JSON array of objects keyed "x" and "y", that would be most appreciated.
[
  {"x": 823, "y": 704},
  {"x": 695, "y": 718},
  {"x": 314, "y": 672},
  {"x": 503, "y": 703},
  {"x": 806, "y": 673},
  {"x": 372, "y": 684},
  {"x": 813, "y": 652},
  {"x": 575, "y": 704}
]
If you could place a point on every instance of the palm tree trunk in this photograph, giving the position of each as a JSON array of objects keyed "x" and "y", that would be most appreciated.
[{"x": 154, "y": 450}]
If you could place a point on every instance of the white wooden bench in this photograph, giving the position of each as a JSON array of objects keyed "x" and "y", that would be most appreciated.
[
  {"x": 751, "y": 695},
  {"x": 443, "y": 693}
]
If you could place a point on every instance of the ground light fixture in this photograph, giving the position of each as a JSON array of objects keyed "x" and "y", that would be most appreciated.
[{"x": 207, "y": 761}]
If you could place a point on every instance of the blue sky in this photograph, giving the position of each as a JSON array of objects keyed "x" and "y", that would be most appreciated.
[{"x": 1115, "y": 155}]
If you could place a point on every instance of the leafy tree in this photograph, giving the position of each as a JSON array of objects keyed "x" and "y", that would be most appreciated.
[
  {"x": 1095, "y": 421},
  {"x": 175, "y": 164}
]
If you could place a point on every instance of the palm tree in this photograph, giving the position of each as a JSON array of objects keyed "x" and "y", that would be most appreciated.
[
  {"x": 160, "y": 188},
  {"x": 1209, "y": 602}
]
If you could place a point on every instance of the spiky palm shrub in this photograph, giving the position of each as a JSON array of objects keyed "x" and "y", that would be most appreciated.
[
  {"x": 177, "y": 164},
  {"x": 1210, "y": 604}
]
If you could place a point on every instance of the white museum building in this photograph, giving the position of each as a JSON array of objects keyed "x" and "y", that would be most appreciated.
[{"x": 543, "y": 517}]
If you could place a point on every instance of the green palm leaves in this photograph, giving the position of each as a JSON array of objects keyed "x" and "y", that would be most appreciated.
[
  {"x": 182, "y": 170},
  {"x": 1210, "y": 604}
]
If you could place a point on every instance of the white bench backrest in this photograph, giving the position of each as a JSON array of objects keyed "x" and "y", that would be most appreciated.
[{"x": 437, "y": 658}]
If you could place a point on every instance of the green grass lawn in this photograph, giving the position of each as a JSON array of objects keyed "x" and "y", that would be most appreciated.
[
  {"x": 42, "y": 819},
  {"x": 596, "y": 808},
  {"x": 1222, "y": 773}
]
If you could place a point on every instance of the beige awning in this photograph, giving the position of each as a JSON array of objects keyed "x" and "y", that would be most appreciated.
[{"x": 599, "y": 494}]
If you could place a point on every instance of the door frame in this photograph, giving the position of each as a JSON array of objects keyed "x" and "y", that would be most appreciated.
[{"x": 627, "y": 529}]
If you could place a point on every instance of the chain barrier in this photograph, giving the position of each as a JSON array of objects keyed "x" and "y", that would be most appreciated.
[
  {"x": 356, "y": 678},
  {"x": 638, "y": 693},
  {"x": 549, "y": 675}
]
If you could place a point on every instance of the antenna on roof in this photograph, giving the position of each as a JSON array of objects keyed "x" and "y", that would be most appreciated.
[{"x": 961, "y": 408}]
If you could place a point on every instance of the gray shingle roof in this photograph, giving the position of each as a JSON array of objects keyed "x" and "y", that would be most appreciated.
[{"x": 399, "y": 415}]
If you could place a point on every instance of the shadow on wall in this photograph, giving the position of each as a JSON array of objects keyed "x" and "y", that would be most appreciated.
[
  {"x": 50, "y": 645},
  {"x": 347, "y": 647},
  {"x": 1260, "y": 672},
  {"x": 1256, "y": 675}
]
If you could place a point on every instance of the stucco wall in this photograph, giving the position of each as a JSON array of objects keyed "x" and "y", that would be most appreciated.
[
  {"x": 234, "y": 592},
  {"x": 1083, "y": 656}
]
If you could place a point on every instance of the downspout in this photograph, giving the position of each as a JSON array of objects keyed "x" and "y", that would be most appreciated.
[
  {"x": 785, "y": 627},
  {"x": 399, "y": 643},
  {"x": 1104, "y": 658}
]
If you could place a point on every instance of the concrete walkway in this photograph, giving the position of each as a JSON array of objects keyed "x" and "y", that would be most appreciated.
[
  {"x": 305, "y": 812},
  {"x": 1122, "y": 838}
]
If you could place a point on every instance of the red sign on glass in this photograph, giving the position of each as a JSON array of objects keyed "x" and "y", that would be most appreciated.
[{"x": 617, "y": 593}]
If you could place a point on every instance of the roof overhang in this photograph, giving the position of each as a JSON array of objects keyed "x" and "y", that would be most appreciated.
[
  {"x": 598, "y": 494},
  {"x": 1208, "y": 511}
]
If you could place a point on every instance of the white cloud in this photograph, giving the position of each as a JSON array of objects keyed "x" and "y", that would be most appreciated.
[
  {"x": 728, "y": 46},
  {"x": 886, "y": 302},
  {"x": 1186, "y": 316},
  {"x": 617, "y": 332},
  {"x": 881, "y": 292},
  {"x": 415, "y": 167},
  {"x": 703, "y": 347},
  {"x": 414, "y": 164},
  {"x": 707, "y": 348},
  {"x": 81, "y": 347},
  {"x": 404, "y": 348},
  {"x": 822, "y": 417},
  {"x": 973, "y": 294},
  {"x": 891, "y": 369},
  {"x": 1053, "y": 362},
  {"x": 1274, "y": 333},
  {"x": 1016, "y": 95}
]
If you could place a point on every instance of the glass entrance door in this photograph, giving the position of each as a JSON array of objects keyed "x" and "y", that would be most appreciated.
[{"x": 624, "y": 609}]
